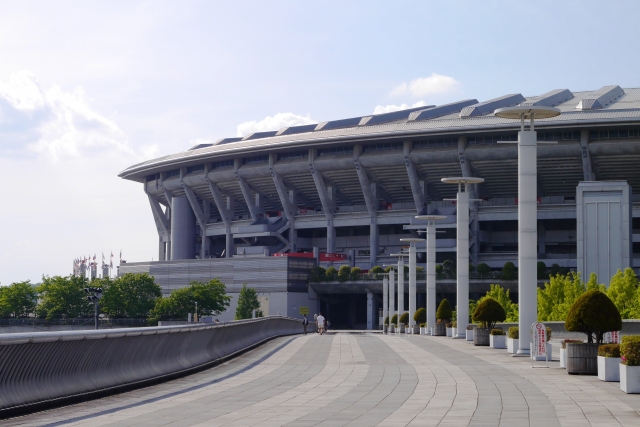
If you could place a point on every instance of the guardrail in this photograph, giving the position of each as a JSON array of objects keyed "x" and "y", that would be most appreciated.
[{"x": 43, "y": 369}]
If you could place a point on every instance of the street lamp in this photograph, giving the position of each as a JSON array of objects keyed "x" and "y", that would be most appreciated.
[
  {"x": 527, "y": 213},
  {"x": 412, "y": 279},
  {"x": 94, "y": 295}
]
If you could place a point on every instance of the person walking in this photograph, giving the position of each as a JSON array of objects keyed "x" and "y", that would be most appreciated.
[
  {"x": 320, "y": 323},
  {"x": 305, "y": 323}
]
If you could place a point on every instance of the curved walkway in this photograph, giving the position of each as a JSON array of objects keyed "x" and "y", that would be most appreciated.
[{"x": 362, "y": 380}]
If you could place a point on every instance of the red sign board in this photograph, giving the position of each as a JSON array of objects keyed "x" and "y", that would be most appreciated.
[{"x": 538, "y": 340}]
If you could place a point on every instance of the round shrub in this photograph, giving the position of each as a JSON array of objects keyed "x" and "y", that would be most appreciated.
[
  {"x": 355, "y": 273},
  {"x": 593, "y": 313},
  {"x": 509, "y": 271},
  {"x": 394, "y": 319},
  {"x": 497, "y": 331},
  {"x": 444, "y": 310},
  {"x": 514, "y": 333},
  {"x": 483, "y": 269},
  {"x": 630, "y": 350},
  {"x": 420, "y": 316},
  {"x": 375, "y": 271},
  {"x": 423, "y": 325},
  {"x": 331, "y": 274},
  {"x": 386, "y": 320},
  {"x": 609, "y": 350},
  {"x": 404, "y": 318},
  {"x": 454, "y": 324},
  {"x": 565, "y": 342},
  {"x": 318, "y": 274},
  {"x": 469, "y": 327},
  {"x": 488, "y": 313},
  {"x": 449, "y": 325},
  {"x": 344, "y": 273}
]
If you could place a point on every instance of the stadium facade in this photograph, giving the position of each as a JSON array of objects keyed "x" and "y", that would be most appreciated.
[{"x": 351, "y": 188}]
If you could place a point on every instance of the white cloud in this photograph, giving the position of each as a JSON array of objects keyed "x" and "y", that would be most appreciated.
[
  {"x": 381, "y": 109},
  {"x": 435, "y": 84},
  {"x": 54, "y": 123},
  {"x": 274, "y": 122}
]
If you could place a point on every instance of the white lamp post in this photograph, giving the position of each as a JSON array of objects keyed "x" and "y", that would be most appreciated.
[
  {"x": 412, "y": 279},
  {"x": 400, "y": 283},
  {"x": 385, "y": 299},
  {"x": 527, "y": 214},
  {"x": 431, "y": 266},
  {"x": 462, "y": 251}
]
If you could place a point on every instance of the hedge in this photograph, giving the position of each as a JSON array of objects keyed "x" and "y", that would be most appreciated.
[
  {"x": 630, "y": 350},
  {"x": 609, "y": 350}
]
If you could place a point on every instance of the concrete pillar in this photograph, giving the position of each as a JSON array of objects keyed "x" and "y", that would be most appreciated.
[
  {"x": 161, "y": 249},
  {"x": 412, "y": 283},
  {"x": 392, "y": 294},
  {"x": 183, "y": 229},
  {"x": 462, "y": 260},
  {"x": 374, "y": 238},
  {"x": 293, "y": 233},
  {"x": 229, "y": 246},
  {"x": 431, "y": 275},
  {"x": 370, "y": 311},
  {"x": 385, "y": 298},
  {"x": 400, "y": 286},
  {"x": 527, "y": 235}
]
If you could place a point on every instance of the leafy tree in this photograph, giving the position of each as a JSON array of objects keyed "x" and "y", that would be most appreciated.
[
  {"x": 509, "y": 271},
  {"x": 501, "y": 295},
  {"x": 483, "y": 269},
  {"x": 388, "y": 269},
  {"x": 331, "y": 274},
  {"x": 593, "y": 283},
  {"x": 440, "y": 271},
  {"x": 130, "y": 295},
  {"x": 18, "y": 299},
  {"x": 622, "y": 291},
  {"x": 247, "y": 302},
  {"x": 488, "y": 313},
  {"x": 355, "y": 273},
  {"x": 63, "y": 297},
  {"x": 394, "y": 319},
  {"x": 344, "y": 273},
  {"x": 593, "y": 313},
  {"x": 557, "y": 297},
  {"x": 444, "y": 310},
  {"x": 404, "y": 318},
  {"x": 211, "y": 298},
  {"x": 472, "y": 268},
  {"x": 542, "y": 271},
  {"x": 449, "y": 269}
]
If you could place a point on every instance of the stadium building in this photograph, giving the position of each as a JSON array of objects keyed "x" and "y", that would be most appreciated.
[{"x": 252, "y": 209}]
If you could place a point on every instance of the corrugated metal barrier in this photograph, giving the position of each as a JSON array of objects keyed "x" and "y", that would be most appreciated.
[{"x": 44, "y": 369}]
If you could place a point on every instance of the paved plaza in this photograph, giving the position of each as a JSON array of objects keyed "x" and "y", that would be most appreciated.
[{"x": 364, "y": 379}]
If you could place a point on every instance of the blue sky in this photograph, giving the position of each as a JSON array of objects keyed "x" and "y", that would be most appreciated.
[{"x": 88, "y": 88}]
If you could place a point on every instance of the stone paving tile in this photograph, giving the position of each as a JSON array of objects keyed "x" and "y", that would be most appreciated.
[{"x": 363, "y": 380}]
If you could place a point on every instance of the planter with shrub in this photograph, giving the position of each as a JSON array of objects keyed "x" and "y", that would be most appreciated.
[
  {"x": 385, "y": 327},
  {"x": 469, "y": 332},
  {"x": 609, "y": 362},
  {"x": 497, "y": 339},
  {"x": 454, "y": 330},
  {"x": 487, "y": 314},
  {"x": 420, "y": 317},
  {"x": 593, "y": 313},
  {"x": 513, "y": 339},
  {"x": 563, "y": 352},
  {"x": 423, "y": 329},
  {"x": 449, "y": 327},
  {"x": 394, "y": 323},
  {"x": 404, "y": 322},
  {"x": 630, "y": 366},
  {"x": 443, "y": 315}
]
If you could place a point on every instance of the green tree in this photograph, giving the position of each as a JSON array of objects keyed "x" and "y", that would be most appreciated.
[
  {"x": 483, "y": 270},
  {"x": 593, "y": 313},
  {"x": 318, "y": 274},
  {"x": 344, "y": 273},
  {"x": 449, "y": 269},
  {"x": 444, "y": 311},
  {"x": 63, "y": 297},
  {"x": 488, "y": 313},
  {"x": 331, "y": 274},
  {"x": 247, "y": 302},
  {"x": 593, "y": 283},
  {"x": 355, "y": 273},
  {"x": 420, "y": 316},
  {"x": 18, "y": 299},
  {"x": 509, "y": 271},
  {"x": 130, "y": 295},
  {"x": 542, "y": 271},
  {"x": 558, "y": 295},
  {"x": 622, "y": 291},
  {"x": 375, "y": 271},
  {"x": 501, "y": 295},
  {"x": 211, "y": 298}
]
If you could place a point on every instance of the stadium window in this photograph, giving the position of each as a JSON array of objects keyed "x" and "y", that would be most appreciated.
[
  {"x": 436, "y": 142},
  {"x": 172, "y": 173},
  {"x": 332, "y": 151},
  {"x": 197, "y": 168},
  {"x": 384, "y": 146},
  {"x": 151, "y": 177},
  {"x": 254, "y": 160},
  {"x": 492, "y": 139},
  {"x": 293, "y": 155},
  {"x": 614, "y": 133},
  {"x": 222, "y": 164}
]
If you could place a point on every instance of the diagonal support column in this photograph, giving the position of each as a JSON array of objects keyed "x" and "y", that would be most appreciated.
[
  {"x": 162, "y": 224},
  {"x": 417, "y": 189},
  {"x": 225, "y": 207},
  {"x": 328, "y": 202},
  {"x": 286, "y": 201},
  {"x": 369, "y": 190},
  {"x": 587, "y": 166},
  {"x": 202, "y": 221},
  {"x": 254, "y": 210}
]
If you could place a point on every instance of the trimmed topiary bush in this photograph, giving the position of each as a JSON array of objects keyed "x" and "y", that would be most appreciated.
[
  {"x": 344, "y": 273},
  {"x": 483, "y": 269},
  {"x": 488, "y": 313},
  {"x": 331, "y": 274},
  {"x": 420, "y": 316},
  {"x": 404, "y": 318},
  {"x": 355, "y": 273},
  {"x": 444, "y": 311},
  {"x": 630, "y": 350},
  {"x": 375, "y": 271},
  {"x": 497, "y": 331},
  {"x": 386, "y": 320},
  {"x": 509, "y": 271},
  {"x": 609, "y": 350},
  {"x": 318, "y": 274},
  {"x": 514, "y": 333},
  {"x": 423, "y": 325},
  {"x": 593, "y": 313},
  {"x": 394, "y": 319}
]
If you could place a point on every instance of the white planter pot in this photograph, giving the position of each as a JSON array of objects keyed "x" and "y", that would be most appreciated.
[
  {"x": 609, "y": 368},
  {"x": 542, "y": 358},
  {"x": 454, "y": 332},
  {"x": 423, "y": 331},
  {"x": 497, "y": 341},
  {"x": 431, "y": 331},
  {"x": 392, "y": 329},
  {"x": 512, "y": 345},
  {"x": 449, "y": 331},
  {"x": 563, "y": 358},
  {"x": 630, "y": 378},
  {"x": 416, "y": 329},
  {"x": 469, "y": 335}
]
